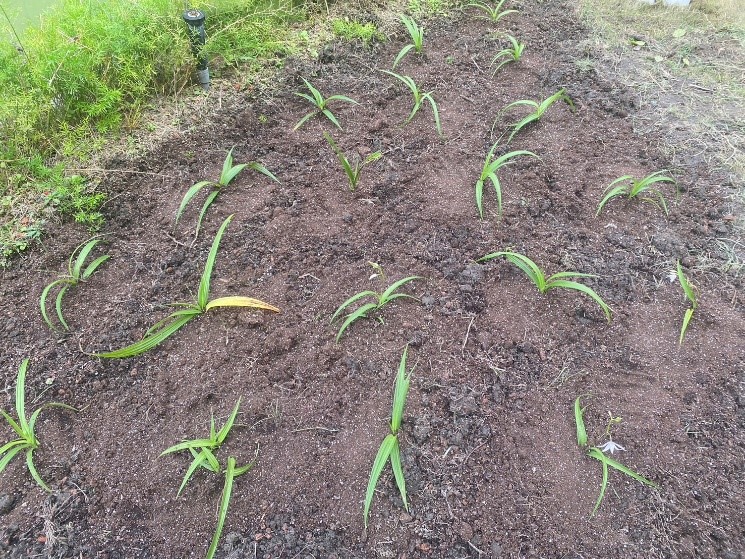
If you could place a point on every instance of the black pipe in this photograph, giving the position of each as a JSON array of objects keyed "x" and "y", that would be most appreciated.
[{"x": 197, "y": 36}]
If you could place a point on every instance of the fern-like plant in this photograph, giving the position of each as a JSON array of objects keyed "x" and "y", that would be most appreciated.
[
  {"x": 321, "y": 104},
  {"x": 627, "y": 186},
  {"x": 419, "y": 98}
]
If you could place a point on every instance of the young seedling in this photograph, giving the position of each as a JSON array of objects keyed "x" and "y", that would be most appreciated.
[
  {"x": 544, "y": 284},
  {"x": 24, "y": 428},
  {"x": 231, "y": 472},
  {"x": 538, "y": 110},
  {"x": 627, "y": 186},
  {"x": 493, "y": 13},
  {"x": 489, "y": 172},
  {"x": 691, "y": 296},
  {"x": 75, "y": 275},
  {"x": 419, "y": 98},
  {"x": 511, "y": 54},
  {"x": 353, "y": 172},
  {"x": 176, "y": 320},
  {"x": 389, "y": 447},
  {"x": 321, "y": 104},
  {"x": 417, "y": 37},
  {"x": 229, "y": 172},
  {"x": 381, "y": 300},
  {"x": 597, "y": 452}
]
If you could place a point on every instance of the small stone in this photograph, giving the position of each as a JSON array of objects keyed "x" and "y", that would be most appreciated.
[
  {"x": 406, "y": 518},
  {"x": 6, "y": 503}
]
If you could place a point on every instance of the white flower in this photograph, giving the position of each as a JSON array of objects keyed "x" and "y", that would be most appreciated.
[{"x": 611, "y": 447}]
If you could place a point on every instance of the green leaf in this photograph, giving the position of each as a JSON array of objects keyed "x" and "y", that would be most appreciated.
[
  {"x": 329, "y": 115},
  {"x": 353, "y": 317},
  {"x": 11, "y": 450},
  {"x": 603, "y": 486},
  {"x": 204, "y": 283},
  {"x": 93, "y": 266},
  {"x": 579, "y": 421},
  {"x": 686, "y": 285},
  {"x": 398, "y": 473},
  {"x": 147, "y": 342},
  {"x": 400, "y": 392},
  {"x": 58, "y": 305},
  {"x": 199, "y": 459},
  {"x": 583, "y": 289},
  {"x": 686, "y": 319},
  {"x": 223, "y": 509},
  {"x": 304, "y": 119},
  {"x": 207, "y": 203},
  {"x": 394, "y": 286},
  {"x": 381, "y": 458},
  {"x": 351, "y": 300},
  {"x": 617, "y": 191},
  {"x": 189, "y": 195},
  {"x": 21, "y": 398},
  {"x": 263, "y": 170},
  {"x": 401, "y": 54},
  {"x": 223, "y": 433},
  {"x": 34, "y": 473},
  {"x": 195, "y": 443}
]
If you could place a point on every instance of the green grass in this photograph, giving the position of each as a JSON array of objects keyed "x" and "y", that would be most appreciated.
[
  {"x": 353, "y": 30},
  {"x": 416, "y": 34},
  {"x": 75, "y": 275},
  {"x": 489, "y": 172},
  {"x": 389, "y": 449},
  {"x": 539, "y": 109},
  {"x": 631, "y": 188},
  {"x": 692, "y": 299},
  {"x": 419, "y": 99},
  {"x": 320, "y": 103},
  {"x": 24, "y": 429},
  {"x": 164, "y": 329}
]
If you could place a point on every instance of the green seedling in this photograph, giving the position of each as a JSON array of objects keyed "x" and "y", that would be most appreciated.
[
  {"x": 417, "y": 37},
  {"x": 389, "y": 447},
  {"x": 229, "y": 172},
  {"x": 201, "y": 449},
  {"x": 353, "y": 172},
  {"x": 544, "y": 284},
  {"x": 511, "y": 54},
  {"x": 538, "y": 110},
  {"x": 75, "y": 275},
  {"x": 489, "y": 172},
  {"x": 321, "y": 104},
  {"x": 231, "y": 472},
  {"x": 419, "y": 98},
  {"x": 627, "y": 186},
  {"x": 189, "y": 311},
  {"x": 493, "y": 13},
  {"x": 381, "y": 300},
  {"x": 691, "y": 296},
  {"x": 24, "y": 428},
  {"x": 596, "y": 452}
]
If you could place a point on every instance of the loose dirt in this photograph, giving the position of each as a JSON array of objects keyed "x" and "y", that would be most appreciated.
[{"x": 488, "y": 439}]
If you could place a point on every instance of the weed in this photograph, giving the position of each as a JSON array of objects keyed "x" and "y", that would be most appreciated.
[
  {"x": 321, "y": 104},
  {"x": 539, "y": 110},
  {"x": 493, "y": 13},
  {"x": 627, "y": 186},
  {"x": 596, "y": 452},
  {"x": 511, "y": 54},
  {"x": 691, "y": 296},
  {"x": 353, "y": 172},
  {"x": 229, "y": 172},
  {"x": 381, "y": 300},
  {"x": 24, "y": 428},
  {"x": 176, "y": 320},
  {"x": 389, "y": 447},
  {"x": 75, "y": 275},
  {"x": 354, "y": 30},
  {"x": 491, "y": 166},
  {"x": 419, "y": 98},
  {"x": 417, "y": 38},
  {"x": 560, "y": 279}
]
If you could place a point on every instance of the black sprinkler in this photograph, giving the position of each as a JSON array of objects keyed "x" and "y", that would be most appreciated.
[{"x": 195, "y": 24}]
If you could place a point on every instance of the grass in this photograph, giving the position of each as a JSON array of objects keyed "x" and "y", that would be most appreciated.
[
  {"x": 492, "y": 13},
  {"x": 596, "y": 453},
  {"x": 24, "y": 429},
  {"x": 539, "y": 110},
  {"x": 417, "y": 39},
  {"x": 691, "y": 296},
  {"x": 389, "y": 449},
  {"x": 513, "y": 53},
  {"x": 229, "y": 172},
  {"x": 75, "y": 275},
  {"x": 364, "y": 311},
  {"x": 419, "y": 99},
  {"x": 164, "y": 329},
  {"x": 353, "y": 30},
  {"x": 562, "y": 280},
  {"x": 489, "y": 172},
  {"x": 321, "y": 105},
  {"x": 353, "y": 171},
  {"x": 631, "y": 188}
]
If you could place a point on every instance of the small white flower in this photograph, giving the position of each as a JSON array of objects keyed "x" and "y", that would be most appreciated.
[{"x": 611, "y": 447}]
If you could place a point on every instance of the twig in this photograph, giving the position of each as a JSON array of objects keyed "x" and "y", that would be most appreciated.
[
  {"x": 98, "y": 170},
  {"x": 468, "y": 331}
]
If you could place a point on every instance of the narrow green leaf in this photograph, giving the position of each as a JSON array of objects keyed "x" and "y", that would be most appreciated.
[
  {"x": 603, "y": 486},
  {"x": 195, "y": 443},
  {"x": 584, "y": 289},
  {"x": 613, "y": 193},
  {"x": 58, "y": 305},
  {"x": 21, "y": 397},
  {"x": 400, "y": 55},
  {"x": 13, "y": 424},
  {"x": 304, "y": 119},
  {"x": 400, "y": 392},
  {"x": 258, "y": 167},
  {"x": 394, "y": 286},
  {"x": 579, "y": 420},
  {"x": 93, "y": 266},
  {"x": 34, "y": 473},
  {"x": 353, "y": 317},
  {"x": 686, "y": 319},
  {"x": 398, "y": 473},
  {"x": 381, "y": 458},
  {"x": 204, "y": 283},
  {"x": 148, "y": 342},
  {"x": 686, "y": 285},
  {"x": 11, "y": 450},
  {"x": 199, "y": 459},
  {"x": 189, "y": 195},
  {"x": 223, "y": 509},
  {"x": 223, "y": 433},
  {"x": 351, "y": 300},
  {"x": 329, "y": 115}
]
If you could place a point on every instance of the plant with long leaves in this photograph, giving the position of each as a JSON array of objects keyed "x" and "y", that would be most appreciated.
[
  {"x": 543, "y": 283},
  {"x": 538, "y": 110},
  {"x": 229, "y": 172},
  {"x": 353, "y": 171},
  {"x": 489, "y": 172},
  {"x": 77, "y": 272},
  {"x": 597, "y": 453},
  {"x": 321, "y": 104},
  {"x": 189, "y": 311},
  {"x": 417, "y": 38},
  {"x": 364, "y": 311},
  {"x": 631, "y": 188},
  {"x": 510, "y": 54},
  {"x": 419, "y": 98},
  {"x": 24, "y": 428},
  {"x": 389, "y": 448},
  {"x": 691, "y": 296},
  {"x": 493, "y": 13}
]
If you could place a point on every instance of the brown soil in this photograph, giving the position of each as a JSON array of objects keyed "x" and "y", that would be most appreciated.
[{"x": 489, "y": 449}]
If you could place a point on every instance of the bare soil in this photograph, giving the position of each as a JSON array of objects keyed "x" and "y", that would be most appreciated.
[{"x": 488, "y": 440}]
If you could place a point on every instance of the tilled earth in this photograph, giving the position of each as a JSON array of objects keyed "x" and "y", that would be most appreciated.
[{"x": 488, "y": 440}]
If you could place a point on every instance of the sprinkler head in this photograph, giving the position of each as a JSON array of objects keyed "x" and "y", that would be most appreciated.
[{"x": 197, "y": 36}]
